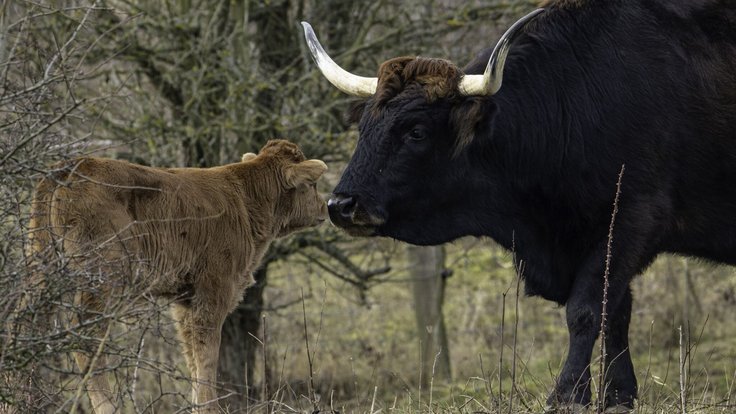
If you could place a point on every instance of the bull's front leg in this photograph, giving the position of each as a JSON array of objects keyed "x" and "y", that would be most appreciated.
[
  {"x": 621, "y": 386},
  {"x": 583, "y": 314},
  {"x": 572, "y": 393}
]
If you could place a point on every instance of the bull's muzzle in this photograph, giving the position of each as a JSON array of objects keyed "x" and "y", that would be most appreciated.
[
  {"x": 341, "y": 208},
  {"x": 346, "y": 212}
]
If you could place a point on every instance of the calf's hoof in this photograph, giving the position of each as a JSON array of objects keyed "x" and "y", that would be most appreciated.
[{"x": 618, "y": 409}]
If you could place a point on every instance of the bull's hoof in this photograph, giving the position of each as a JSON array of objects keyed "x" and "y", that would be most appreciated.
[
  {"x": 582, "y": 409},
  {"x": 566, "y": 409},
  {"x": 618, "y": 409}
]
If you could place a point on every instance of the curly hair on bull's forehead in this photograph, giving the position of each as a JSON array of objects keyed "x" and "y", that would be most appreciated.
[{"x": 439, "y": 77}]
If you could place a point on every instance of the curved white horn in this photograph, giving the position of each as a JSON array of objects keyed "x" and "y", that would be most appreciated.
[
  {"x": 490, "y": 81},
  {"x": 342, "y": 79}
]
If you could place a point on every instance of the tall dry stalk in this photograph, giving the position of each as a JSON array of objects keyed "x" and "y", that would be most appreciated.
[
  {"x": 500, "y": 357},
  {"x": 312, "y": 392},
  {"x": 683, "y": 372},
  {"x": 266, "y": 393},
  {"x": 604, "y": 302},
  {"x": 519, "y": 274}
]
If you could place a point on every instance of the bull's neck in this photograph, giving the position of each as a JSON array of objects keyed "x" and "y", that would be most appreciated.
[{"x": 517, "y": 164}]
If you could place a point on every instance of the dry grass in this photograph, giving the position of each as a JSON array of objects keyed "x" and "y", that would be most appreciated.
[
  {"x": 367, "y": 354},
  {"x": 364, "y": 355}
]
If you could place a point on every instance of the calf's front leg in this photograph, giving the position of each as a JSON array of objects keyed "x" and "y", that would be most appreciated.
[{"x": 200, "y": 328}]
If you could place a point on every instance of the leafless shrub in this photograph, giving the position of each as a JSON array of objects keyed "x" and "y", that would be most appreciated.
[{"x": 43, "y": 63}]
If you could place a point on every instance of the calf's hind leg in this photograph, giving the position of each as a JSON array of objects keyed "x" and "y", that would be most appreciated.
[
  {"x": 182, "y": 316},
  {"x": 94, "y": 362}
]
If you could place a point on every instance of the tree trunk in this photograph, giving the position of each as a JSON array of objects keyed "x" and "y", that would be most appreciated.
[
  {"x": 241, "y": 333},
  {"x": 428, "y": 276}
]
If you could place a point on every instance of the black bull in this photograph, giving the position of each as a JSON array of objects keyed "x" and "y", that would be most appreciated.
[{"x": 589, "y": 86}]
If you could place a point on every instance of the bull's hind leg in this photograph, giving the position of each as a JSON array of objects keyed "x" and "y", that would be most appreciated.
[{"x": 92, "y": 364}]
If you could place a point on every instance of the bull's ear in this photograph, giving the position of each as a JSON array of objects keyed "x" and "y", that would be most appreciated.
[
  {"x": 355, "y": 112},
  {"x": 248, "y": 156},
  {"x": 465, "y": 118},
  {"x": 305, "y": 172}
]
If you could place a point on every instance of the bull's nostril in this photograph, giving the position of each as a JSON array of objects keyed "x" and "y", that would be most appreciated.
[
  {"x": 342, "y": 207},
  {"x": 346, "y": 206}
]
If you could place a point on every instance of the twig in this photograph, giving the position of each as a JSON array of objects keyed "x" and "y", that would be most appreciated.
[
  {"x": 373, "y": 402},
  {"x": 604, "y": 301},
  {"x": 421, "y": 372},
  {"x": 361, "y": 276},
  {"x": 43, "y": 129},
  {"x": 519, "y": 274},
  {"x": 431, "y": 379},
  {"x": 141, "y": 342},
  {"x": 266, "y": 395},
  {"x": 91, "y": 369},
  {"x": 312, "y": 394},
  {"x": 503, "y": 326},
  {"x": 683, "y": 374},
  {"x": 486, "y": 380},
  {"x": 500, "y": 358},
  {"x": 73, "y": 36}
]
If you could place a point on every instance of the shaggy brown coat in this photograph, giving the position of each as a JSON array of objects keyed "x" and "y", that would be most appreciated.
[{"x": 191, "y": 235}]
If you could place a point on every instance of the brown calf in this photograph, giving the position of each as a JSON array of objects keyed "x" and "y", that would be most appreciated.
[{"x": 188, "y": 234}]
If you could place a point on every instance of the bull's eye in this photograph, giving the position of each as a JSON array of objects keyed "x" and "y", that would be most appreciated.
[{"x": 417, "y": 133}]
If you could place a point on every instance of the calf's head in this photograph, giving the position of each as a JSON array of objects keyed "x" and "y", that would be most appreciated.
[{"x": 298, "y": 204}]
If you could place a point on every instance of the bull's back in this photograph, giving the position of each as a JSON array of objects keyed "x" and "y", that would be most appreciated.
[
  {"x": 701, "y": 151},
  {"x": 660, "y": 76}
]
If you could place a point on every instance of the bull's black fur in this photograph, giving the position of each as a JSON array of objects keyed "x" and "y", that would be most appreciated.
[{"x": 588, "y": 87}]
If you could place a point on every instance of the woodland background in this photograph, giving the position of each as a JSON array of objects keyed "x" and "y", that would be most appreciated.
[{"x": 334, "y": 323}]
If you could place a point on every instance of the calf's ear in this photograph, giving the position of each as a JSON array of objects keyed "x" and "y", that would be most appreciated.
[
  {"x": 305, "y": 172},
  {"x": 248, "y": 156}
]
